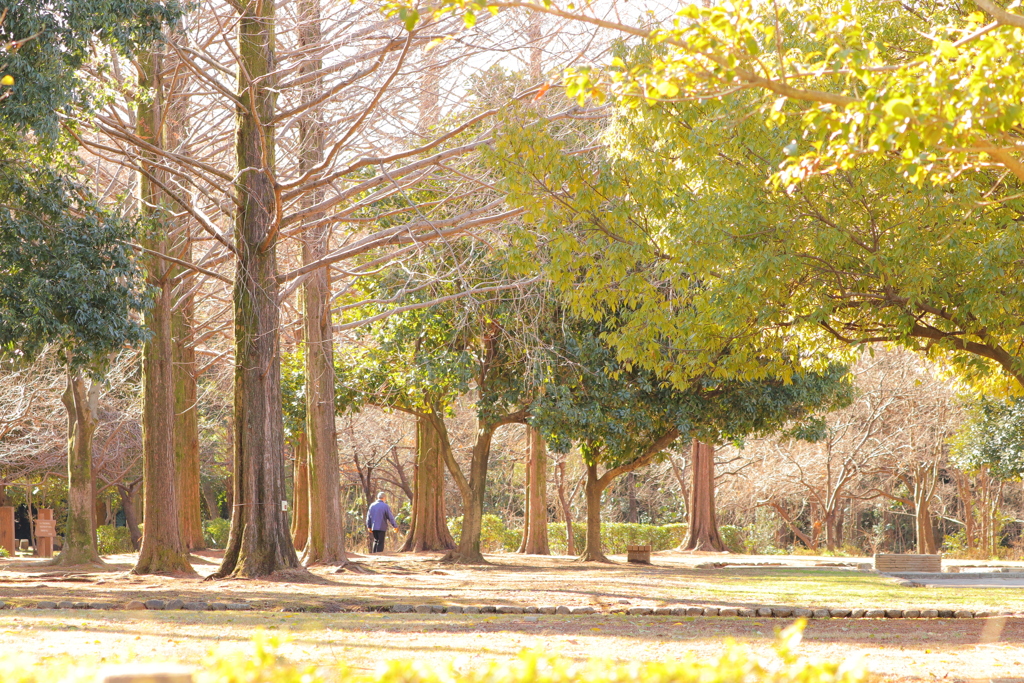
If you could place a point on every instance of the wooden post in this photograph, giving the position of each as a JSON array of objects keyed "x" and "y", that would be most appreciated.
[
  {"x": 7, "y": 529},
  {"x": 46, "y": 530}
]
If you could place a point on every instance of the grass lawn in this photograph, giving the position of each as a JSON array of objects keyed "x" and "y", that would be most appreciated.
[{"x": 978, "y": 649}]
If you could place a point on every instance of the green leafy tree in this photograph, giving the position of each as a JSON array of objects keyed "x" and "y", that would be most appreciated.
[
  {"x": 473, "y": 332},
  {"x": 825, "y": 170},
  {"x": 69, "y": 278},
  {"x": 993, "y": 437},
  {"x": 624, "y": 418}
]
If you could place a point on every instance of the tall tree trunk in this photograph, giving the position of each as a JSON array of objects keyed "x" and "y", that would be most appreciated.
[
  {"x": 966, "y": 498},
  {"x": 259, "y": 543},
  {"x": 473, "y": 510},
  {"x": 186, "y": 411},
  {"x": 163, "y": 549},
  {"x": 326, "y": 544},
  {"x": 840, "y": 521},
  {"x": 300, "y": 494},
  {"x": 471, "y": 489},
  {"x": 186, "y": 421},
  {"x": 535, "y": 540},
  {"x": 210, "y": 496},
  {"x": 428, "y": 529},
  {"x": 830, "y": 530},
  {"x": 702, "y": 533},
  {"x": 81, "y": 401},
  {"x": 593, "y": 551},
  {"x": 925, "y": 481},
  {"x": 570, "y": 540}
]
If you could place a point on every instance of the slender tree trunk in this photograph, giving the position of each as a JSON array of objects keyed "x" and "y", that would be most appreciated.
[
  {"x": 131, "y": 517},
  {"x": 429, "y": 528},
  {"x": 632, "y": 507},
  {"x": 473, "y": 510},
  {"x": 830, "y": 530},
  {"x": 967, "y": 501},
  {"x": 925, "y": 482},
  {"x": 163, "y": 549},
  {"x": 570, "y": 540},
  {"x": 702, "y": 533},
  {"x": 684, "y": 494},
  {"x": 259, "y": 543},
  {"x": 212, "y": 504},
  {"x": 535, "y": 540},
  {"x": 593, "y": 551},
  {"x": 81, "y": 401},
  {"x": 300, "y": 494},
  {"x": 527, "y": 474}
]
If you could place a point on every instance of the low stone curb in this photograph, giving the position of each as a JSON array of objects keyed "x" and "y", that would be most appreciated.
[
  {"x": 137, "y": 605},
  {"x": 678, "y": 611}
]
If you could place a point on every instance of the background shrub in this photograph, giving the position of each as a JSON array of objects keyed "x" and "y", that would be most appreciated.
[
  {"x": 215, "y": 532},
  {"x": 494, "y": 535},
  {"x": 113, "y": 540}
]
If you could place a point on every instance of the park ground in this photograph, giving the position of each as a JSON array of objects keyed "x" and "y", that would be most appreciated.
[{"x": 317, "y": 618}]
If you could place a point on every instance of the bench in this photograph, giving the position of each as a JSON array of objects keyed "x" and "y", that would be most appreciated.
[
  {"x": 896, "y": 564},
  {"x": 640, "y": 554}
]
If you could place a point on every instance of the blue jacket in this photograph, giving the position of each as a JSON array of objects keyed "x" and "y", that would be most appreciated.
[{"x": 377, "y": 514}]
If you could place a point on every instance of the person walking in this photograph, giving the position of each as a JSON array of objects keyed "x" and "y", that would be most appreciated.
[{"x": 377, "y": 518}]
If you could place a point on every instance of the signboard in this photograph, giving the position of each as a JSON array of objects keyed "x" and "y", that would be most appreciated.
[{"x": 46, "y": 528}]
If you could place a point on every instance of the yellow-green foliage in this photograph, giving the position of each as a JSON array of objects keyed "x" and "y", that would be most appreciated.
[
  {"x": 265, "y": 665},
  {"x": 215, "y": 532}
]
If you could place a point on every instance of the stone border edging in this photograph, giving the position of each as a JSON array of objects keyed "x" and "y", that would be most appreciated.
[{"x": 679, "y": 611}]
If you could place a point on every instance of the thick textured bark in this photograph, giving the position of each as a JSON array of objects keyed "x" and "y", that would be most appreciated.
[
  {"x": 300, "y": 494},
  {"x": 162, "y": 547},
  {"x": 186, "y": 423},
  {"x": 535, "y": 532},
  {"x": 473, "y": 509},
  {"x": 702, "y": 533},
  {"x": 326, "y": 542},
  {"x": 80, "y": 399},
  {"x": 186, "y": 412},
  {"x": 563, "y": 502},
  {"x": 428, "y": 529},
  {"x": 593, "y": 489},
  {"x": 259, "y": 543}
]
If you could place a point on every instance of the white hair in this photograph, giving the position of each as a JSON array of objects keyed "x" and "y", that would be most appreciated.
[{"x": 380, "y": 496}]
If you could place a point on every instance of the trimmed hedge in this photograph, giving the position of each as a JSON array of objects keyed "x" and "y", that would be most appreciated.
[
  {"x": 113, "y": 540},
  {"x": 496, "y": 537},
  {"x": 616, "y": 536}
]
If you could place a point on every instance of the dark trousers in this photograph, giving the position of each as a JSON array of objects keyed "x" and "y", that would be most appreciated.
[{"x": 378, "y": 540}]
